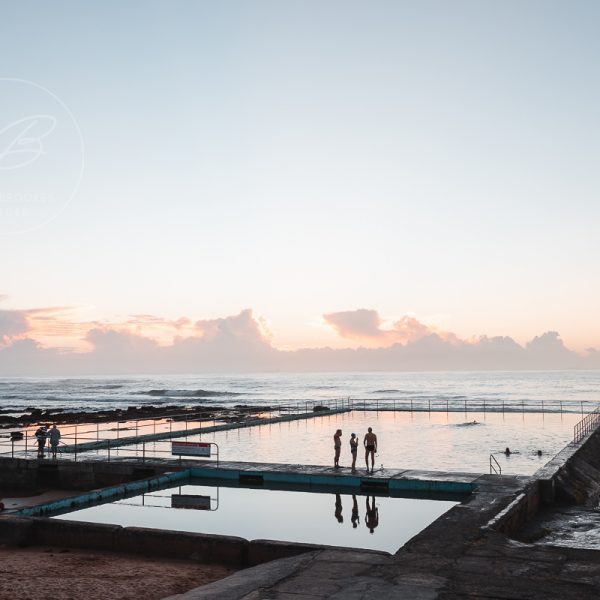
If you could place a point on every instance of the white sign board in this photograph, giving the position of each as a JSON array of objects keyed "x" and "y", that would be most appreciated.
[
  {"x": 190, "y": 448},
  {"x": 189, "y": 501}
]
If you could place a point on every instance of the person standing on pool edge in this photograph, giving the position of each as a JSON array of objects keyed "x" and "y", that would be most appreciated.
[
  {"x": 337, "y": 447},
  {"x": 370, "y": 444},
  {"x": 353, "y": 450}
]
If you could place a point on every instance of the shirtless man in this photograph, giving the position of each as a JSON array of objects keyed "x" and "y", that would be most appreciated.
[
  {"x": 370, "y": 444},
  {"x": 337, "y": 447}
]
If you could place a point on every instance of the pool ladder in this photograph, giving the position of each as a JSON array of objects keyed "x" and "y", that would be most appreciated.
[{"x": 495, "y": 466}]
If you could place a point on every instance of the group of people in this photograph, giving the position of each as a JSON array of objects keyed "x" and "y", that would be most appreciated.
[
  {"x": 43, "y": 434},
  {"x": 369, "y": 443},
  {"x": 371, "y": 516}
]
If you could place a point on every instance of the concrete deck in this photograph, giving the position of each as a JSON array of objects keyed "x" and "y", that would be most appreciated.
[
  {"x": 167, "y": 435},
  {"x": 466, "y": 553},
  {"x": 395, "y": 482}
]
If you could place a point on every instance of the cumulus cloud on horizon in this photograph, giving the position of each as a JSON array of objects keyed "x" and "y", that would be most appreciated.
[
  {"x": 242, "y": 342},
  {"x": 366, "y": 325}
]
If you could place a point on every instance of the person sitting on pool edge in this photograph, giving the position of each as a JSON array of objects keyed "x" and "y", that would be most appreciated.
[
  {"x": 370, "y": 444},
  {"x": 337, "y": 447}
]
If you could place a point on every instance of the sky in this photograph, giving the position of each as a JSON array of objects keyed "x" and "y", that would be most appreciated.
[{"x": 331, "y": 174}]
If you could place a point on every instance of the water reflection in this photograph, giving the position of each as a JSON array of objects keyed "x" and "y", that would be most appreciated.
[
  {"x": 372, "y": 516},
  {"x": 355, "y": 518},
  {"x": 273, "y": 514},
  {"x": 338, "y": 509}
]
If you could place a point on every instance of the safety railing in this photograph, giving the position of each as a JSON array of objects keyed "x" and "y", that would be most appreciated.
[
  {"x": 110, "y": 436},
  {"x": 473, "y": 405},
  {"x": 586, "y": 425},
  {"x": 495, "y": 467}
]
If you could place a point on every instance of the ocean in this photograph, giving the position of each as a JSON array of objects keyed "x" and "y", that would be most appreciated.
[{"x": 551, "y": 391}]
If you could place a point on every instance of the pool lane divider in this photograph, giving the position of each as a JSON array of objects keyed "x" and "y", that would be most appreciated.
[{"x": 167, "y": 435}]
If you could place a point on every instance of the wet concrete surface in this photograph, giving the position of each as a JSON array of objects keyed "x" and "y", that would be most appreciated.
[{"x": 568, "y": 526}]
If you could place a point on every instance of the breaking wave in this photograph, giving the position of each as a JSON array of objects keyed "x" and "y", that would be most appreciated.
[{"x": 190, "y": 393}]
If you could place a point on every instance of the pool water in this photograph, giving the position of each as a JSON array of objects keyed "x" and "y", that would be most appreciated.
[
  {"x": 433, "y": 441},
  {"x": 350, "y": 520}
]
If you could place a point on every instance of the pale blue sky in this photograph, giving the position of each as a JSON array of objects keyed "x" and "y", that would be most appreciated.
[{"x": 429, "y": 158}]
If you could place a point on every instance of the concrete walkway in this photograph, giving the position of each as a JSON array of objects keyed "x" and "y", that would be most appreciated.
[{"x": 167, "y": 435}]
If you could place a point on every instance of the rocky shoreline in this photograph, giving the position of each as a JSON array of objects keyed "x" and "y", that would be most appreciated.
[{"x": 36, "y": 416}]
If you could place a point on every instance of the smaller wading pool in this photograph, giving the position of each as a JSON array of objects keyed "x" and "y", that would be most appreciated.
[{"x": 347, "y": 519}]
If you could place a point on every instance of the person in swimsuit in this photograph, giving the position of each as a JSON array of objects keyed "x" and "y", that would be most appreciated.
[
  {"x": 353, "y": 450},
  {"x": 370, "y": 444},
  {"x": 337, "y": 447}
]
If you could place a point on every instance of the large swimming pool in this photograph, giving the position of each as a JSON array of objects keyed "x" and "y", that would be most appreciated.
[
  {"x": 339, "y": 519},
  {"x": 418, "y": 440}
]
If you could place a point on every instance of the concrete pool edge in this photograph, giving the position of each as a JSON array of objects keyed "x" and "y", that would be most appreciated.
[
  {"x": 457, "y": 556},
  {"x": 31, "y": 524},
  {"x": 448, "y": 484}
]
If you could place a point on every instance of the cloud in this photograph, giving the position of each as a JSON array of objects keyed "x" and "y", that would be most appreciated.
[
  {"x": 355, "y": 324},
  {"x": 242, "y": 327},
  {"x": 366, "y": 325},
  {"x": 12, "y": 323},
  {"x": 242, "y": 343}
]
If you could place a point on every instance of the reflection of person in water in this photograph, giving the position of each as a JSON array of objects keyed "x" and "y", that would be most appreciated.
[
  {"x": 372, "y": 518},
  {"x": 355, "y": 518},
  {"x": 338, "y": 508}
]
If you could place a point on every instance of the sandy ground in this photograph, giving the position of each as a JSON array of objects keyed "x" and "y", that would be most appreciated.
[{"x": 61, "y": 574}]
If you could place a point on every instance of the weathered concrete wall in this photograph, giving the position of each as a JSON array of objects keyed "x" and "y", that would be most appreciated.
[
  {"x": 577, "y": 479},
  {"x": 205, "y": 548},
  {"x": 82, "y": 475},
  {"x": 572, "y": 476},
  {"x": 18, "y": 474}
]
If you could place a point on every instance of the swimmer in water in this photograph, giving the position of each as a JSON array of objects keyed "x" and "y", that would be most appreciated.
[{"x": 507, "y": 451}]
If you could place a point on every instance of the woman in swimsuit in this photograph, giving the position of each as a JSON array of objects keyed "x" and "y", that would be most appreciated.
[
  {"x": 337, "y": 446},
  {"x": 353, "y": 450}
]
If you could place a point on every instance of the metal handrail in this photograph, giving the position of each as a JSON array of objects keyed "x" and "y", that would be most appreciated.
[
  {"x": 497, "y": 469},
  {"x": 586, "y": 426},
  {"x": 79, "y": 437}
]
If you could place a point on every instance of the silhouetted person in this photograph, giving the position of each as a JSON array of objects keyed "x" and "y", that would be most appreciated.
[
  {"x": 355, "y": 518},
  {"x": 338, "y": 508},
  {"x": 54, "y": 435},
  {"x": 370, "y": 444},
  {"x": 372, "y": 517},
  {"x": 353, "y": 450},
  {"x": 40, "y": 436},
  {"x": 337, "y": 447},
  {"x": 507, "y": 451}
]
